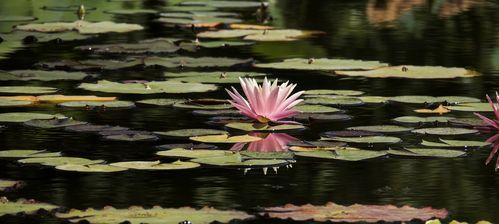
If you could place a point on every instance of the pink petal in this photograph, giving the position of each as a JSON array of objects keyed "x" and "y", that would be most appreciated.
[{"x": 488, "y": 121}]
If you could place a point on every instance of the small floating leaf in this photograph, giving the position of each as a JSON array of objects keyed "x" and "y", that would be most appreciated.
[
  {"x": 367, "y": 139},
  {"x": 413, "y": 72},
  {"x": 263, "y": 127},
  {"x": 413, "y": 119},
  {"x": 28, "y": 75},
  {"x": 26, "y": 116},
  {"x": 27, "y": 154},
  {"x": 91, "y": 64},
  {"x": 192, "y": 153},
  {"x": 347, "y": 154},
  {"x": 225, "y": 138},
  {"x": 258, "y": 35},
  {"x": 53, "y": 123},
  {"x": 22, "y": 206},
  {"x": 94, "y": 104},
  {"x": 381, "y": 128},
  {"x": 175, "y": 62},
  {"x": 191, "y": 132},
  {"x": 93, "y": 168},
  {"x": 322, "y": 117},
  {"x": 27, "y": 89},
  {"x": 212, "y": 77},
  {"x": 373, "y": 99},
  {"x": 350, "y": 133},
  {"x": 63, "y": 98},
  {"x": 147, "y": 88},
  {"x": 322, "y": 64},
  {"x": 445, "y": 131},
  {"x": 340, "y": 92},
  {"x": 57, "y": 161},
  {"x": 156, "y": 165}
]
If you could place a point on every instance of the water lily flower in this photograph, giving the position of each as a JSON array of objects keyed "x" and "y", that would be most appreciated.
[
  {"x": 265, "y": 103},
  {"x": 271, "y": 142},
  {"x": 495, "y": 147},
  {"x": 493, "y": 124}
]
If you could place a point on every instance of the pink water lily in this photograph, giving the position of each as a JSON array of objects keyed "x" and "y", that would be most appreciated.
[
  {"x": 494, "y": 140},
  {"x": 492, "y": 123},
  {"x": 268, "y": 102}
]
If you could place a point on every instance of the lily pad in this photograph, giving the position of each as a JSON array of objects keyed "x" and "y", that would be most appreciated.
[
  {"x": 155, "y": 215},
  {"x": 366, "y": 139},
  {"x": 6, "y": 185},
  {"x": 160, "y": 102},
  {"x": 322, "y": 64},
  {"x": 322, "y": 117},
  {"x": 92, "y": 168},
  {"x": 26, "y": 116},
  {"x": 5, "y": 102},
  {"x": 340, "y": 92},
  {"x": 132, "y": 137},
  {"x": 64, "y": 98},
  {"x": 22, "y": 206},
  {"x": 190, "y": 146},
  {"x": 147, "y": 88},
  {"x": 455, "y": 143},
  {"x": 212, "y": 77},
  {"x": 350, "y": 133},
  {"x": 28, "y": 75},
  {"x": 66, "y": 8},
  {"x": 191, "y": 132},
  {"x": 428, "y": 152},
  {"x": 373, "y": 99},
  {"x": 201, "y": 62},
  {"x": 131, "y": 11},
  {"x": 92, "y": 64},
  {"x": 354, "y": 213},
  {"x": 445, "y": 131},
  {"x": 225, "y": 138},
  {"x": 95, "y": 128},
  {"x": 216, "y": 112},
  {"x": 237, "y": 160},
  {"x": 471, "y": 107},
  {"x": 152, "y": 46},
  {"x": 415, "y": 120},
  {"x": 33, "y": 37},
  {"x": 27, "y": 89},
  {"x": 156, "y": 165},
  {"x": 340, "y": 101},
  {"x": 14, "y": 18},
  {"x": 263, "y": 127},
  {"x": 28, "y": 154},
  {"x": 259, "y": 35},
  {"x": 218, "y": 44},
  {"x": 180, "y": 8},
  {"x": 82, "y": 27},
  {"x": 223, "y": 4},
  {"x": 53, "y": 123},
  {"x": 57, "y": 161},
  {"x": 415, "y": 99},
  {"x": 209, "y": 21},
  {"x": 413, "y": 72},
  {"x": 347, "y": 154},
  {"x": 467, "y": 122},
  {"x": 204, "y": 104},
  {"x": 381, "y": 128},
  {"x": 94, "y": 104},
  {"x": 192, "y": 153},
  {"x": 308, "y": 108}
]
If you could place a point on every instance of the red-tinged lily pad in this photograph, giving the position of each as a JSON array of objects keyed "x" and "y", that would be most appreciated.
[{"x": 354, "y": 213}]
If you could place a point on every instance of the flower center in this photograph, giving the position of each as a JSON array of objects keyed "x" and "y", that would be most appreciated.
[{"x": 263, "y": 119}]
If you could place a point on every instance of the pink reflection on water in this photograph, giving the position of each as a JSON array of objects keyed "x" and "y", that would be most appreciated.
[{"x": 271, "y": 142}]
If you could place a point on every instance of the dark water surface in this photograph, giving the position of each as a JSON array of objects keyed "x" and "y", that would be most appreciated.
[{"x": 453, "y": 33}]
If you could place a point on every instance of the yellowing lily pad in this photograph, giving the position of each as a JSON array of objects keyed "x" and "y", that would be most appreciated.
[
  {"x": 26, "y": 116},
  {"x": 211, "y": 77},
  {"x": 445, "y": 131},
  {"x": 92, "y": 168},
  {"x": 225, "y": 138},
  {"x": 83, "y": 27},
  {"x": 381, "y": 128},
  {"x": 192, "y": 153},
  {"x": 439, "y": 110},
  {"x": 415, "y": 120},
  {"x": 413, "y": 72},
  {"x": 455, "y": 143},
  {"x": 366, "y": 139},
  {"x": 27, "y": 89},
  {"x": 28, "y": 75},
  {"x": 322, "y": 64},
  {"x": 23, "y": 206},
  {"x": 191, "y": 132},
  {"x": 347, "y": 154},
  {"x": 57, "y": 161},
  {"x": 96, "y": 104},
  {"x": 27, "y": 154},
  {"x": 340, "y": 92},
  {"x": 148, "y": 87},
  {"x": 156, "y": 165},
  {"x": 263, "y": 127},
  {"x": 174, "y": 62}
]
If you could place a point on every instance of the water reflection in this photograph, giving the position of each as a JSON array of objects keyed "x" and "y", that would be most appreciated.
[
  {"x": 494, "y": 140},
  {"x": 271, "y": 142}
]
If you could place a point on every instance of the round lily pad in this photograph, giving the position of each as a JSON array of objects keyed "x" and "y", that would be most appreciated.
[
  {"x": 92, "y": 168},
  {"x": 201, "y": 62},
  {"x": 350, "y": 133},
  {"x": 416, "y": 99},
  {"x": 340, "y": 101},
  {"x": 147, "y": 88},
  {"x": 26, "y": 116},
  {"x": 263, "y": 127},
  {"x": 308, "y": 108},
  {"x": 259, "y": 35},
  {"x": 415, "y": 120},
  {"x": 428, "y": 152},
  {"x": 346, "y": 154},
  {"x": 14, "y": 18},
  {"x": 27, "y": 153},
  {"x": 455, "y": 143},
  {"x": 195, "y": 20},
  {"x": 218, "y": 44},
  {"x": 322, "y": 117},
  {"x": 471, "y": 107},
  {"x": 156, "y": 165},
  {"x": 225, "y": 138},
  {"x": 67, "y": 8},
  {"x": 215, "y": 112},
  {"x": 81, "y": 26},
  {"x": 340, "y": 92},
  {"x": 223, "y": 4},
  {"x": 53, "y": 123},
  {"x": 57, "y": 161},
  {"x": 122, "y": 131},
  {"x": 445, "y": 131},
  {"x": 267, "y": 155},
  {"x": 27, "y": 75},
  {"x": 367, "y": 139},
  {"x": 27, "y": 89},
  {"x": 151, "y": 46},
  {"x": 192, "y": 153},
  {"x": 373, "y": 99},
  {"x": 204, "y": 104},
  {"x": 322, "y": 64},
  {"x": 237, "y": 161},
  {"x": 131, "y": 11},
  {"x": 5, "y": 102},
  {"x": 94, "y": 104},
  {"x": 160, "y": 102},
  {"x": 180, "y": 8},
  {"x": 64, "y": 98},
  {"x": 133, "y": 137},
  {"x": 413, "y": 72},
  {"x": 91, "y": 64},
  {"x": 190, "y": 146},
  {"x": 211, "y": 77},
  {"x": 191, "y": 132},
  {"x": 94, "y": 128},
  {"x": 467, "y": 122},
  {"x": 381, "y": 128}
]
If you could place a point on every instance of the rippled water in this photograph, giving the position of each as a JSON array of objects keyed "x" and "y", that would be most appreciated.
[{"x": 454, "y": 33}]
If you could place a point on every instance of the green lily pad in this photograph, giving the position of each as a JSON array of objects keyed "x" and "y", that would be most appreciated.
[
  {"x": 428, "y": 152},
  {"x": 174, "y": 62},
  {"x": 82, "y": 27},
  {"x": 322, "y": 117},
  {"x": 212, "y": 77},
  {"x": 198, "y": 14},
  {"x": 27, "y": 89},
  {"x": 366, "y": 139},
  {"x": 151, "y": 46},
  {"x": 155, "y": 215},
  {"x": 53, "y": 123},
  {"x": 23, "y": 206},
  {"x": 92, "y": 168},
  {"x": 28, "y": 75},
  {"x": 455, "y": 143},
  {"x": 6, "y": 185},
  {"x": 339, "y": 100},
  {"x": 91, "y": 64},
  {"x": 218, "y": 44},
  {"x": 28, "y": 154},
  {"x": 373, "y": 99},
  {"x": 20, "y": 36},
  {"x": 198, "y": 20},
  {"x": 340, "y": 92},
  {"x": 131, "y": 137},
  {"x": 322, "y": 64},
  {"x": 161, "y": 102},
  {"x": 156, "y": 165},
  {"x": 467, "y": 122},
  {"x": 191, "y": 132},
  {"x": 192, "y": 153},
  {"x": 147, "y": 88},
  {"x": 228, "y": 33},
  {"x": 237, "y": 160},
  {"x": 5, "y": 102},
  {"x": 179, "y": 8},
  {"x": 204, "y": 104},
  {"x": 14, "y": 18},
  {"x": 309, "y": 108},
  {"x": 225, "y": 138},
  {"x": 381, "y": 128},
  {"x": 131, "y": 11},
  {"x": 445, "y": 131},
  {"x": 223, "y": 4},
  {"x": 472, "y": 107},
  {"x": 95, "y": 104},
  {"x": 413, "y": 72},
  {"x": 347, "y": 154},
  {"x": 263, "y": 127},
  {"x": 66, "y": 8},
  {"x": 267, "y": 155},
  {"x": 258, "y": 35},
  {"x": 26, "y": 116},
  {"x": 62, "y": 160},
  {"x": 216, "y": 112},
  {"x": 415, "y": 120},
  {"x": 431, "y": 99}
]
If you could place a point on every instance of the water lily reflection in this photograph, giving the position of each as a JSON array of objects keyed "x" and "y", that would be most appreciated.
[
  {"x": 271, "y": 142},
  {"x": 494, "y": 140}
]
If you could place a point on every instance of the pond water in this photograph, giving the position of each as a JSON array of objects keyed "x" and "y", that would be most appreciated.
[{"x": 450, "y": 33}]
